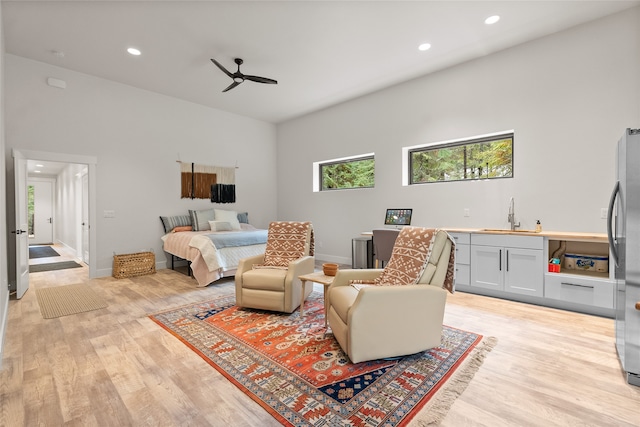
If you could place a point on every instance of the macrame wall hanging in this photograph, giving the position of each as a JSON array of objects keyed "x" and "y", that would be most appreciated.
[{"x": 215, "y": 183}]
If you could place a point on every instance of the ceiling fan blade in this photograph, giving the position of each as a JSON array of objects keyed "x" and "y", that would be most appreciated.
[
  {"x": 231, "y": 86},
  {"x": 261, "y": 80},
  {"x": 222, "y": 68}
]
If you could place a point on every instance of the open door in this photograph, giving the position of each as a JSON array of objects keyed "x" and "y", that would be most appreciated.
[
  {"x": 85, "y": 218},
  {"x": 22, "y": 225}
]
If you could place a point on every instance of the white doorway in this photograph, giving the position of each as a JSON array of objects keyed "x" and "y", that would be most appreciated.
[
  {"x": 40, "y": 210},
  {"x": 73, "y": 224}
]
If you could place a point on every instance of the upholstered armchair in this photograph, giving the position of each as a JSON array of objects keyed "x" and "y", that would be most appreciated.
[
  {"x": 398, "y": 310},
  {"x": 270, "y": 281}
]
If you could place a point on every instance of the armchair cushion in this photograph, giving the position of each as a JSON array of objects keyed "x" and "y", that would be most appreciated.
[
  {"x": 266, "y": 279},
  {"x": 288, "y": 241}
]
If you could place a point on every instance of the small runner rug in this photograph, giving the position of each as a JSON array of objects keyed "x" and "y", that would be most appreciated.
[
  {"x": 300, "y": 375},
  {"x": 58, "y": 301},
  {"x": 42, "y": 252},
  {"x": 36, "y": 268}
]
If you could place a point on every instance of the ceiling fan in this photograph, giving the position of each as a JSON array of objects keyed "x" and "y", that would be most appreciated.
[{"x": 238, "y": 77}]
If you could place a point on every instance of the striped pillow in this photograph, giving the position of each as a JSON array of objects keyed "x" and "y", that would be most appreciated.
[{"x": 171, "y": 222}]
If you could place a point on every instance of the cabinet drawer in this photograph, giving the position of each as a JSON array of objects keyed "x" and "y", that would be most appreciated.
[
  {"x": 461, "y": 238},
  {"x": 579, "y": 290},
  {"x": 463, "y": 254},
  {"x": 463, "y": 274},
  {"x": 511, "y": 241}
]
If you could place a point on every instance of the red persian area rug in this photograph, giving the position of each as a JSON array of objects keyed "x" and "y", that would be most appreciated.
[{"x": 301, "y": 376}]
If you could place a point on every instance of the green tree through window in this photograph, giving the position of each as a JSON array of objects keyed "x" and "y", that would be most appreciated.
[
  {"x": 480, "y": 158},
  {"x": 352, "y": 173}
]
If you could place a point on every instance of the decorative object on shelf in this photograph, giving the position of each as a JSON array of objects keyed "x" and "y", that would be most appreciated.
[{"x": 216, "y": 183}]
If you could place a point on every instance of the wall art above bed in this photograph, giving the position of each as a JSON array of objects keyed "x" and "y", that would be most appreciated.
[{"x": 215, "y": 183}]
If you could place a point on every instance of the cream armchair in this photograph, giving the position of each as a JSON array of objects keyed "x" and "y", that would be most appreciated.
[
  {"x": 402, "y": 311},
  {"x": 270, "y": 281}
]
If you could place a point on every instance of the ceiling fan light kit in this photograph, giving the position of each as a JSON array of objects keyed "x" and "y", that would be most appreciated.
[{"x": 239, "y": 77}]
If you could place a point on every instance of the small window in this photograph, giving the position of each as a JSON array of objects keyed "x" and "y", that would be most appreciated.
[
  {"x": 486, "y": 157},
  {"x": 345, "y": 173}
]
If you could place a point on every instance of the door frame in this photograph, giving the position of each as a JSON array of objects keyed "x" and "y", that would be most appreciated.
[{"x": 91, "y": 162}]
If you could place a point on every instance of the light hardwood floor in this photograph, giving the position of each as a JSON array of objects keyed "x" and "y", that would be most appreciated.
[{"x": 116, "y": 367}]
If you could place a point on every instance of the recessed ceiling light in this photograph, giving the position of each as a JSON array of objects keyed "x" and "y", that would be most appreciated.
[
  {"x": 134, "y": 51},
  {"x": 37, "y": 171},
  {"x": 492, "y": 20},
  {"x": 39, "y": 166},
  {"x": 424, "y": 46}
]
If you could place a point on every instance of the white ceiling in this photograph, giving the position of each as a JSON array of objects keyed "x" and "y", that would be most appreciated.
[{"x": 321, "y": 52}]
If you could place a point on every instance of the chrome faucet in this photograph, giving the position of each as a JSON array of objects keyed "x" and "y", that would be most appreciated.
[{"x": 512, "y": 215}]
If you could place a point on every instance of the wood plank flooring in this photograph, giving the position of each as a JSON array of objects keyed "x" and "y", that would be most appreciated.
[{"x": 115, "y": 367}]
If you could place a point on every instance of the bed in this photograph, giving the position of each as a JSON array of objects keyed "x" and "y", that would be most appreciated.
[{"x": 212, "y": 254}]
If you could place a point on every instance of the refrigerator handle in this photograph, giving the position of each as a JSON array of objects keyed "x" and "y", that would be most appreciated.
[{"x": 610, "y": 236}]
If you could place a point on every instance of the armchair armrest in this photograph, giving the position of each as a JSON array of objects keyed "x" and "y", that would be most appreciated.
[
  {"x": 246, "y": 264},
  {"x": 303, "y": 265},
  {"x": 344, "y": 276}
]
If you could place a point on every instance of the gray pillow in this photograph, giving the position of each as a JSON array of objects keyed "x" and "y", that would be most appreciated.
[
  {"x": 243, "y": 217},
  {"x": 171, "y": 222},
  {"x": 200, "y": 219}
]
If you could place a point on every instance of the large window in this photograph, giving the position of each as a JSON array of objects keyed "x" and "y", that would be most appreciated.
[
  {"x": 486, "y": 157},
  {"x": 344, "y": 173}
]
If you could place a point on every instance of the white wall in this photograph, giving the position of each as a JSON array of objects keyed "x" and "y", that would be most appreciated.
[
  {"x": 568, "y": 96},
  {"x": 137, "y": 136},
  {"x": 4, "y": 284}
]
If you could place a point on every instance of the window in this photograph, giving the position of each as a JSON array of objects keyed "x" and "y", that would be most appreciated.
[
  {"x": 344, "y": 173},
  {"x": 484, "y": 157}
]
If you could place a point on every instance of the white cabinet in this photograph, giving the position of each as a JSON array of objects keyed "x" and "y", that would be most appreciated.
[
  {"x": 583, "y": 289},
  {"x": 512, "y": 264},
  {"x": 463, "y": 258}
]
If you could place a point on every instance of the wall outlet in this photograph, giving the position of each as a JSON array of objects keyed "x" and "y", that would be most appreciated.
[
  {"x": 466, "y": 212},
  {"x": 603, "y": 213}
]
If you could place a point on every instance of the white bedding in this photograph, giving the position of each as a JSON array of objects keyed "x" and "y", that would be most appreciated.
[{"x": 207, "y": 262}]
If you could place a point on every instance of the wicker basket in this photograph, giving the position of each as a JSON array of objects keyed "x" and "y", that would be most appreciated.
[{"x": 131, "y": 265}]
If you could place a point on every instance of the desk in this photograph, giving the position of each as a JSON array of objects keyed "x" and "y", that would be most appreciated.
[{"x": 318, "y": 277}]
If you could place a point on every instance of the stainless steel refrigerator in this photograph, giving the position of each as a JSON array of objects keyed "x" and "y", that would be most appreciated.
[{"x": 623, "y": 229}]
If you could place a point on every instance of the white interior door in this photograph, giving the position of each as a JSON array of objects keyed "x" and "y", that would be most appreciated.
[
  {"x": 42, "y": 212},
  {"x": 85, "y": 218},
  {"x": 22, "y": 225}
]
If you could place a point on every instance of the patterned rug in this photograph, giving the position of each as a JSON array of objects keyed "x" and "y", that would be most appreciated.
[{"x": 301, "y": 377}]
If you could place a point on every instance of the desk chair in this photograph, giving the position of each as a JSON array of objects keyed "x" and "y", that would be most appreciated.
[{"x": 383, "y": 241}]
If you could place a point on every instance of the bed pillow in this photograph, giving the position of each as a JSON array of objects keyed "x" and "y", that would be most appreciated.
[
  {"x": 180, "y": 228},
  {"x": 171, "y": 222},
  {"x": 243, "y": 217},
  {"x": 220, "y": 226},
  {"x": 200, "y": 219},
  {"x": 228, "y": 216}
]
